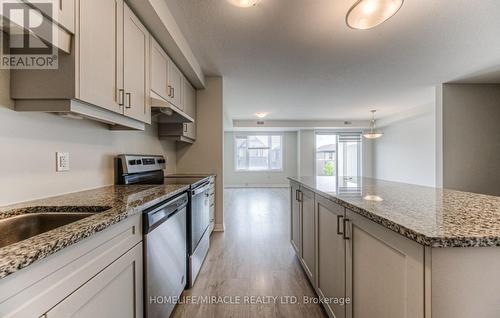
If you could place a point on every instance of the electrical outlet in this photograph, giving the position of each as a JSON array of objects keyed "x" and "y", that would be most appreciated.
[{"x": 62, "y": 161}]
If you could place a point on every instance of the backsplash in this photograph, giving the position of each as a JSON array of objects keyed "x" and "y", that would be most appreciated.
[{"x": 29, "y": 142}]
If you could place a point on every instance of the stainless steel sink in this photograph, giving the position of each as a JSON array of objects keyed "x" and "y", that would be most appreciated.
[{"x": 20, "y": 227}]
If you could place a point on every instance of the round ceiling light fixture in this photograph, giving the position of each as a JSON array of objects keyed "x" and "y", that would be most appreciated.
[
  {"x": 261, "y": 114},
  {"x": 244, "y": 3},
  {"x": 373, "y": 133},
  {"x": 367, "y": 14}
]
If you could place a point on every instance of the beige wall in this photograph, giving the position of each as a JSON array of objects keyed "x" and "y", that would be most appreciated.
[
  {"x": 29, "y": 141},
  {"x": 206, "y": 154},
  {"x": 260, "y": 178},
  {"x": 471, "y": 137},
  {"x": 306, "y": 152},
  {"x": 407, "y": 152}
]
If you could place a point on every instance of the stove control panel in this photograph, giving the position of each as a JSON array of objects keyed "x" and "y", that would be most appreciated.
[{"x": 141, "y": 163}]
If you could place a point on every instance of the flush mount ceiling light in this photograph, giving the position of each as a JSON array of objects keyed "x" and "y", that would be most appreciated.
[
  {"x": 261, "y": 114},
  {"x": 367, "y": 14},
  {"x": 244, "y": 3},
  {"x": 373, "y": 134}
]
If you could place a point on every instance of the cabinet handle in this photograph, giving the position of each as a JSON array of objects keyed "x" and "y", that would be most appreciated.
[
  {"x": 60, "y": 5},
  {"x": 345, "y": 222},
  {"x": 339, "y": 217},
  {"x": 129, "y": 102},
  {"x": 173, "y": 92},
  {"x": 169, "y": 91},
  {"x": 121, "y": 91},
  {"x": 185, "y": 127},
  {"x": 296, "y": 194}
]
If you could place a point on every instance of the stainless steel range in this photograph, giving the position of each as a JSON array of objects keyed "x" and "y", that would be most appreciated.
[{"x": 139, "y": 169}]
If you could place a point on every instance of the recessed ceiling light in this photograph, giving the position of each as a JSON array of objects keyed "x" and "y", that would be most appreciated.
[
  {"x": 366, "y": 14},
  {"x": 244, "y": 3},
  {"x": 261, "y": 114}
]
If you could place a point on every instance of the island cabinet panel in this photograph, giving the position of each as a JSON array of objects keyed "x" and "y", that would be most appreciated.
[
  {"x": 295, "y": 219},
  {"x": 465, "y": 282},
  {"x": 384, "y": 271},
  {"x": 330, "y": 254},
  {"x": 114, "y": 292},
  {"x": 308, "y": 233}
]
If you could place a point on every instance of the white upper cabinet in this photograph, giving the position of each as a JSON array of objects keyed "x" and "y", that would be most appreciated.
[
  {"x": 62, "y": 12},
  {"x": 175, "y": 85},
  {"x": 159, "y": 68},
  {"x": 135, "y": 67},
  {"x": 101, "y": 77},
  {"x": 106, "y": 76},
  {"x": 188, "y": 98}
]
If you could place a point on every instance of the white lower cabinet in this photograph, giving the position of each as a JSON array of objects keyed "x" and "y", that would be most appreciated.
[
  {"x": 114, "y": 292},
  {"x": 308, "y": 233},
  {"x": 100, "y": 276},
  {"x": 362, "y": 268},
  {"x": 331, "y": 247},
  {"x": 384, "y": 271},
  {"x": 211, "y": 193},
  {"x": 295, "y": 227}
]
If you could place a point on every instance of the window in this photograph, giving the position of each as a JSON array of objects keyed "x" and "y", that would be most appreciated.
[
  {"x": 338, "y": 156},
  {"x": 259, "y": 152}
]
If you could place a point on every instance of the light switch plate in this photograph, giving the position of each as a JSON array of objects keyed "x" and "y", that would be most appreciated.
[{"x": 62, "y": 161}]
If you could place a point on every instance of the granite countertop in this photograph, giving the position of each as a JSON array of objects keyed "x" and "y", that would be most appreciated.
[
  {"x": 120, "y": 202},
  {"x": 430, "y": 216}
]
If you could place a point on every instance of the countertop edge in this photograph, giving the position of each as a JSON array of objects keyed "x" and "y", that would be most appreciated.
[
  {"x": 39, "y": 254},
  {"x": 420, "y": 238}
]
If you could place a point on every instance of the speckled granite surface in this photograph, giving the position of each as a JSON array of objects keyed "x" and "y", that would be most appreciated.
[
  {"x": 119, "y": 202},
  {"x": 430, "y": 216}
]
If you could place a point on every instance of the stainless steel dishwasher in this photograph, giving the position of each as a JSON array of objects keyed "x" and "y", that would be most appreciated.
[{"x": 165, "y": 257}]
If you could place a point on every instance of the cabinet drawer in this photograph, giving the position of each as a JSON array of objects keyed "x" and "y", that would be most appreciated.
[{"x": 114, "y": 292}]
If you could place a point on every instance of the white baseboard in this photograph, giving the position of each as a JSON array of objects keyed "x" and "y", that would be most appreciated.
[
  {"x": 251, "y": 185},
  {"x": 219, "y": 227}
]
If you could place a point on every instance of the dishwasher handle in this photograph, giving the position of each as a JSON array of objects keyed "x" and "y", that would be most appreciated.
[
  {"x": 200, "y": 189},
  {"x": 155, "y": 216}
]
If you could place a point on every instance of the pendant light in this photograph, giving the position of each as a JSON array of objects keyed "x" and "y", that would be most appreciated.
[
  {"x": 244, "y": 3},
  {"x": 367, "y": 14},
  {"x": 373, "y": 134}
]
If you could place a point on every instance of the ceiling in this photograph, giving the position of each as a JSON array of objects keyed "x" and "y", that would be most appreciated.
[{"x": 298, "y": 60}]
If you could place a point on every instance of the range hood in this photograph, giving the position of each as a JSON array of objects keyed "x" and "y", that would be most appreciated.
[
  {"x": 166, "y": 112},
  {"x": 49, "y": 31}
]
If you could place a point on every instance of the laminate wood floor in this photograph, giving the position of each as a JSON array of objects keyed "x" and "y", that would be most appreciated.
[{"x": 252, "y": 260}]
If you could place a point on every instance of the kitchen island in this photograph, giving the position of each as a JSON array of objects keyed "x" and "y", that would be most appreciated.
[{"x": 397, "y": 250}]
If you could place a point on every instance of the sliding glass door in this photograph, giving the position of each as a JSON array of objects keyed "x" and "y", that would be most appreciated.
[{"x": 338, "y": 158}]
